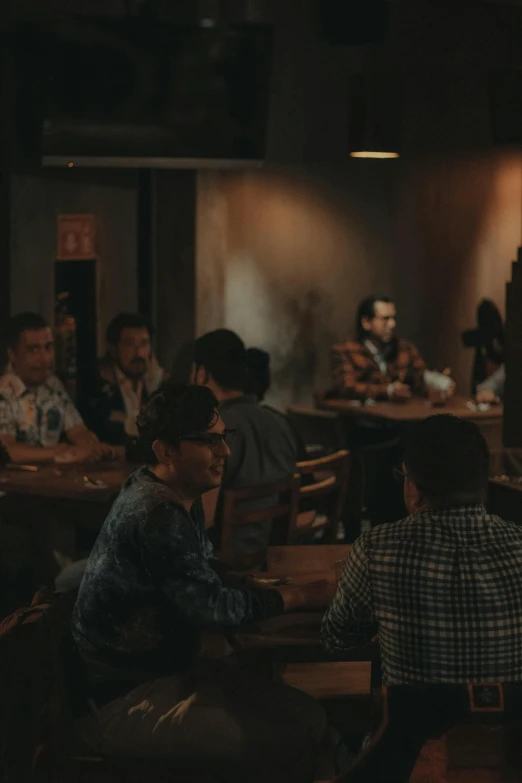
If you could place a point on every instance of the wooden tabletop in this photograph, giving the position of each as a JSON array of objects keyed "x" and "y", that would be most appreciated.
[
  {"x": 413, "y": 410},
  {"x": 67, "y": 483},
  {"x": 330, "y": 680}
]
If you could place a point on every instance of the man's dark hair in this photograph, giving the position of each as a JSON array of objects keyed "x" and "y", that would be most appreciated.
[
  {"x": 23, "y": 322},
  {"x": 366, "y": 309},
  {"x": 448, "y": 459},
  {"x": 223, "y": 355},
  {"x": 174, "y": 411},
  {"x": 259, "y": 378},
  {"x": 126, "y": 321}
]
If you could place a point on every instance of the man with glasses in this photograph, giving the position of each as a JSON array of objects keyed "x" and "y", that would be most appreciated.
[
  {"x": 264, "y": 448},
  {"x": 443, "y": 590},
  {"x": 378, "y": 365},
  {"x": 152, "y": 587}
]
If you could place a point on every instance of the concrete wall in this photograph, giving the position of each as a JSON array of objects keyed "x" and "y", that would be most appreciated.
[
  {"x": 37, "y": 201},
  {"x": 283, "y": 258}
]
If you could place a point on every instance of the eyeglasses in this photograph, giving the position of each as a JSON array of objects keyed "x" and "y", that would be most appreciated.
[
  {"x": 399, "y": 475},
  {"x": 211, "y": 439}
]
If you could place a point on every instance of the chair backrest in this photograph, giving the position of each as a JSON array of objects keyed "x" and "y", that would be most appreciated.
[
  {"x": 330, "y": 480},
  {"x": 320, "y": 431},
  {"x": 34, "y": 713},
  {"x": 239, "y": 507}
]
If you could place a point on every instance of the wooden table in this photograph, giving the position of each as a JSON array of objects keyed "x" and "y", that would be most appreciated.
[
  {"x": 67, "y": 483},
  {"x": 306, "y": 559},
  {"x": 418, "y": 408},
  {"x": 56, "y": 496}
]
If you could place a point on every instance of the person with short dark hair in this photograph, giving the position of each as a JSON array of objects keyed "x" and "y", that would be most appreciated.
[
  {"x": 152, "y": 586},
  {"x": 264, "y": 449},
  {"x": 433, "y": 567},
  {"x": 379, "y": 365},
  {"x": 259, "y": 377},
  {"x": 443, "y": 587},
  {"x": 125, "y": 378},
  {"x": 38, "y": 420}
]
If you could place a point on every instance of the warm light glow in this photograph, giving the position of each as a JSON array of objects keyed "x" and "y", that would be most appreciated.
[
  {"x": 379, "y": 155},
  {"x": 70, "y": 165}
]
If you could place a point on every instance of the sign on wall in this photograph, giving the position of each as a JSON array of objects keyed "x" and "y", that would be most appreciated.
[{"x": 76, "y": 237}]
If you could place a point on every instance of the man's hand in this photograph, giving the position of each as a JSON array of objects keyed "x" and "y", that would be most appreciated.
[
  {"x": 399, "y": 392},
  {"x": 487, "y": 396},
  {"x": 314, "y": 595},
  {"x": 88, "y": 453}
]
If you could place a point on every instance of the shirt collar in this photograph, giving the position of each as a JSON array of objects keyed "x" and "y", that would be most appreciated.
[
  {"x": 373, "y": 349},
  {"x": 244, "y": 398},
  {"x": 18, "y": 387},
  {"x": 124, "y": 381}
]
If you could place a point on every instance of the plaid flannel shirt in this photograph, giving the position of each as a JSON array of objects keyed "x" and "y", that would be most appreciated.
[
  {"x": 444, "y": 591},
  {"x": 357, "y": 375}
]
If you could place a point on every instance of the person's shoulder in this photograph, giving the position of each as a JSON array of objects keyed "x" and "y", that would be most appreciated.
[
  {"x": 11, "y": 386},
  {"x": 391, "y": 532},
  {"x": 406, "y": 346},
  {"x": 510, "y": 529},
  {"x": 149, "y": 498},
  {"x": 349, "y": 346},
  {"x": 55, "y": 385}
]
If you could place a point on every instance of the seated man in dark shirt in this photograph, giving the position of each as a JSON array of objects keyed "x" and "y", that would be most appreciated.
[
  {"x": 124, "y": 379},
  {"x": 264, "y": 448},
  {"x": 152, "y": 586}
]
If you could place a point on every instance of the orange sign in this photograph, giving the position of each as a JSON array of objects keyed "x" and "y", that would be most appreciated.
[{"x": 76, "y": 237}]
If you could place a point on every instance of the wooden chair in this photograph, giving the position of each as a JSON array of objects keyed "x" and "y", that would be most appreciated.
[
  {"x": 320, "y": 431},
  {"x": 331, "y": 476},
  {"x": 38, "y": 743},
  {"x": 283, "y": 510}
]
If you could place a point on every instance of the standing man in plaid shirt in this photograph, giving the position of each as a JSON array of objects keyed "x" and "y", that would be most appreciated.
[
  {"x": 443, "y": 590},
  {"x": 379, "y": 365}
]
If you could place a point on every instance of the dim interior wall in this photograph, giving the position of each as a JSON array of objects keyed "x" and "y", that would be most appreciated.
[
  {"x": 36, "y": 202},
  {"x": 459, "y": 227},
  {"x": 283, "y": 260}
]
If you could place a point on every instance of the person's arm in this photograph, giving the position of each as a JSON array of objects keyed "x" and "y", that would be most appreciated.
[
  {"x": 349, "y": 620},
  {"x": 494, "y": 385},
  {"x": 176, "y": 560},
  {"x": 346, "y": 378},
  {"x": 25, "y": 454},
  {"x": 21, "y": 453},
  {"x": 416, "y": 369}
]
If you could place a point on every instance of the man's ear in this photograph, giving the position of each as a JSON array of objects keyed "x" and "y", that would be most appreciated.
[
  {"x": 163, "y": 452},
  {"x": 10, "y": 355},
  {"x": 366, "y": 324}
]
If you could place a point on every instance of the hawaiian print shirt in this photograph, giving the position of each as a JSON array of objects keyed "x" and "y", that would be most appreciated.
[{"x": 37, "y": 418}]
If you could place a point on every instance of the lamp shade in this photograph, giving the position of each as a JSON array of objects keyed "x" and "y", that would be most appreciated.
[{"x": 374, "y": 116}]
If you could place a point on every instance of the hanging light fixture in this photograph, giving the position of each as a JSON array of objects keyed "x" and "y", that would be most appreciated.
[{"x": 374, "y": 116}]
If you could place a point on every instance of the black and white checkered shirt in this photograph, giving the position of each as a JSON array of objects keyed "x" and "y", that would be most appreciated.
[{"x": 444, "y": 591}]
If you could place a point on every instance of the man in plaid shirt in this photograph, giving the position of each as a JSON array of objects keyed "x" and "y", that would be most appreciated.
[
  {"x": 379, "y": 365},
  {"x": 442, "y": 588}
]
